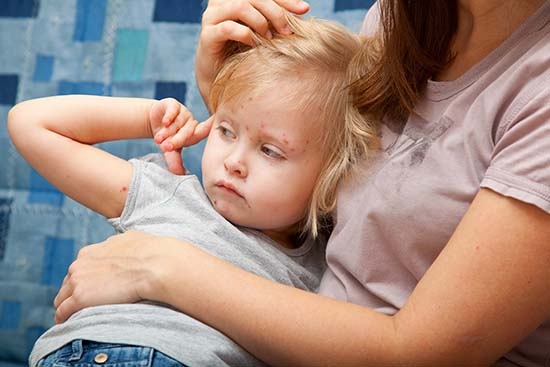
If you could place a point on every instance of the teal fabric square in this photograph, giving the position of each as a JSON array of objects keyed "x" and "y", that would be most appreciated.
[{"x": 130, "y": 54}]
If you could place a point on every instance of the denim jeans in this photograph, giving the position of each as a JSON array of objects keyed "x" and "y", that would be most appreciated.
[{"x": 83, "y": 353}]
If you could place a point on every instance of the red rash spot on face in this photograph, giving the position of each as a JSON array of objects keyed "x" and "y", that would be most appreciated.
[{"x": 123, "y": 189}]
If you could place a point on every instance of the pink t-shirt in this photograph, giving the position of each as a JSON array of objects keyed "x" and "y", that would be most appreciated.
[{"x": 489, "y": 128}]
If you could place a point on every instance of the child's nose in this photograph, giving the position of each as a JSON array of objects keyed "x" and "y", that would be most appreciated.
[{"x": 235, "y": 165}]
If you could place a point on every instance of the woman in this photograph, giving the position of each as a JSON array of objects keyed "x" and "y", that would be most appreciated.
[{"x": 440, "y": 255}]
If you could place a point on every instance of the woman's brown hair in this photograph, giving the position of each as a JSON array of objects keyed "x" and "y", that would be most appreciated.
[{"x": 416, "y": 38}]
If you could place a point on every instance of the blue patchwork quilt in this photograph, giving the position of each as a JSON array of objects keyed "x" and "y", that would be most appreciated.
[{"x": 142, "y": 48}]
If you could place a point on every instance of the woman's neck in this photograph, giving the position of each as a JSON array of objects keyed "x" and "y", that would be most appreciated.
[{"x": 482, "y": 27}]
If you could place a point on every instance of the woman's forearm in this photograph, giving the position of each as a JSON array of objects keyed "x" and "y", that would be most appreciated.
[
  {"x": 453, "y": 317},
  {"x": 279, "y": 324}
]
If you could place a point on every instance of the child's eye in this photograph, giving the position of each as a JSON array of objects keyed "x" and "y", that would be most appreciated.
[
  {"x": 271, "y": 153},
  {"x": 226, "y": 132}
]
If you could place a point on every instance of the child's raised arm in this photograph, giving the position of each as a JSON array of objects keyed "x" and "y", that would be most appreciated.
[{"x": 55, "y": 135}]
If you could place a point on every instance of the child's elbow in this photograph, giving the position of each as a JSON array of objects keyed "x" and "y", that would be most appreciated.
[
  {"x": 16, "y": 122},
  {"x": 13, "y": 117}
]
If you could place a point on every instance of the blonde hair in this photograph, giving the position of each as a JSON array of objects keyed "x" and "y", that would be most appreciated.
[{"x": 324, "y": 58}]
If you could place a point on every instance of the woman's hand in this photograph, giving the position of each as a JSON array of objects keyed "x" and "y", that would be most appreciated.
[
  {"x": 115, "y": 271},
  {"x": 236, "y": 20},
  {"x": 174, "y": 127}
]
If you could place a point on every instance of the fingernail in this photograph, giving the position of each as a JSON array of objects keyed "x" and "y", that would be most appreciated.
[
  {"x": 286, "y": 30},
  {"x": 268, "y": 34}
]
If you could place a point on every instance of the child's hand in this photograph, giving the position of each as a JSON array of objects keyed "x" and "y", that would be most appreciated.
[
  {"x": 174, "y": 127},
  {"x": 172, "y": 124}
]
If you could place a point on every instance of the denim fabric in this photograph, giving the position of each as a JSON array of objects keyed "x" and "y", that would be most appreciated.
[{"x": 84, "y": 353}]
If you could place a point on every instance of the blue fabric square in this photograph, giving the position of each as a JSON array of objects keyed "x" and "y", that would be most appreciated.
[
  {"x": 32, "y": 334},
  {"x": 8, "y": 90},
  {"x": 10, "y": 314},
  {"x": 43, "y": 69},
  {"x": 175, "y": 90},
  {"x": 42, "y": 192},
  {"x": 5, "y": 211},
  {"x": 19, "y": 8},
  {"x": 178, "y": 11},
  {"x": 58, "y": 255},
  {"x": 341, "y": 5},
  {"x": 68, "y": 87},
  {"x": 90, "y": 20}
]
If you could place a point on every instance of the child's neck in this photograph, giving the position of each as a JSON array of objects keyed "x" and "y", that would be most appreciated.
[{"x": 290, "y": 238}]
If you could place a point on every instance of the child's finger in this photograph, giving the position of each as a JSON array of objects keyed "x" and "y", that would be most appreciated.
[
  {"x": 180, "y": 124},
  {"x": 175, "y": 162},
  {"x": 201, "y": 131},
  {"x": 182, "y": 137},
  {"x": 172, "y": 111}
]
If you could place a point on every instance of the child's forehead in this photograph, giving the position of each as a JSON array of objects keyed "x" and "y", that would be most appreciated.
[{"x": 288, "y": 128}]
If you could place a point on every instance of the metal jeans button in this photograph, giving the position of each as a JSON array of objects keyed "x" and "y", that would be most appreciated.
[{"x": 101, "y": 358}]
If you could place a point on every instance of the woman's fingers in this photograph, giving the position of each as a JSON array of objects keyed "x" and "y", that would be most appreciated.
[
  {"x": 62, "y": 294},
  {"x": 101, "y": 276},
  {"x": 64, "y": 310},
  {"x": 234, "y": 19}
]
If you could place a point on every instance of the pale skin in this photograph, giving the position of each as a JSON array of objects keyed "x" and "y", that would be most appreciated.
[
  {"x": 494, "y": 267},
  {"x": 261, "y": 162}
]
